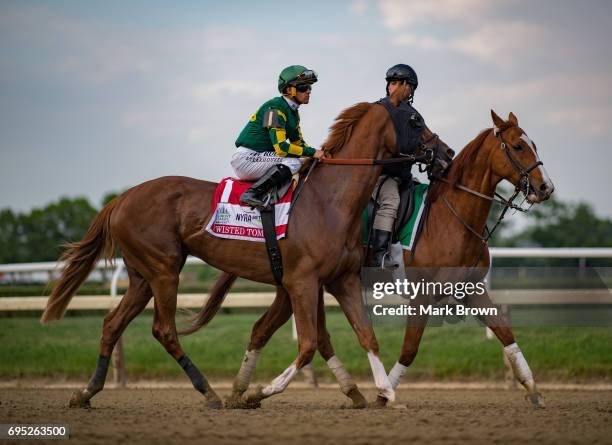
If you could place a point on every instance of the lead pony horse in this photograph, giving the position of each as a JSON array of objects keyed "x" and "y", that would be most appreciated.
[
  {"x": 158, "y": 223},
  {"x": 458, "y": 207}
]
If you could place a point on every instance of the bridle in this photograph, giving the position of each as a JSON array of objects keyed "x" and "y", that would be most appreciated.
[
  {"x": 518, "y": 167},
  {"x": 523, "y": 186}
]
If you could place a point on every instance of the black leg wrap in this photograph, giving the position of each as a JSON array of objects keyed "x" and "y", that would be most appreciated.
[
  {"x": 97, "y": 381},
  {"x": 197, "y": 379}
]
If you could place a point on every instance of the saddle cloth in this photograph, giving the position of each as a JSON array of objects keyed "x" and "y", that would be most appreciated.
[{"x": 232, "y": 220}]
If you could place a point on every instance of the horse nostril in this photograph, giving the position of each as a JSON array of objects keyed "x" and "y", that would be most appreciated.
[{"x": 546, "y": 189}]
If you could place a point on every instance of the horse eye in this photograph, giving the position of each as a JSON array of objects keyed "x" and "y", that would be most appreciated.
[{"x": 517, "y": 147}]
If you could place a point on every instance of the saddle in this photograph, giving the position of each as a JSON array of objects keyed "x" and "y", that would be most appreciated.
[
  {"x": 404, "y": 210},
  {"x": 275, "y": 194}
]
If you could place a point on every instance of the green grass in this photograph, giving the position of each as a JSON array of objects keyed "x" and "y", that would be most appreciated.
[{"x": 69, "y": 348}]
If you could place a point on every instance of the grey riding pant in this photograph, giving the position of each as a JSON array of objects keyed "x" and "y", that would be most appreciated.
[{"x": 389, "y": 201}]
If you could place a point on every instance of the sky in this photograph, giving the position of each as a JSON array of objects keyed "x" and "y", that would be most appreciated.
[{"x": 100, "y": 96}]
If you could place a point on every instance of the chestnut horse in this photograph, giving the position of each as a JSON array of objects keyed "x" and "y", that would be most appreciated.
[
  {"x": 158, "y": 223},
  {"x": 450, "y": 238}
]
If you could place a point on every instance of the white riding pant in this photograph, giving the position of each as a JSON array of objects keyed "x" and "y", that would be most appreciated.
[
  {"x": 251, "y": 165},
  {"x": 388, "y": 200}
]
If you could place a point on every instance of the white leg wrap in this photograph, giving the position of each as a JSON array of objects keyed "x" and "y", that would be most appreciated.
[
  {"x": 344, "y": 378},
  {"x": 243, "y": 379},
  {"x": 396, "y": 374},
  {"x": 280, "y": 383},
  {"x": 380, "y": 377},
  {"x": 520, "y": 367}
]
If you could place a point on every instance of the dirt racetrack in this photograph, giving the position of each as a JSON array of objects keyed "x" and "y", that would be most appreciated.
[{"x": 177, "y": 416}]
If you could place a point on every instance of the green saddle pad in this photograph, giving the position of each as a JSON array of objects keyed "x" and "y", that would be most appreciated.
[{"x": 408, "y": 231}]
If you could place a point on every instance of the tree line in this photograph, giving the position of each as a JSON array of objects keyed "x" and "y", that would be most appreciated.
[{"x": 39, "y": 235}]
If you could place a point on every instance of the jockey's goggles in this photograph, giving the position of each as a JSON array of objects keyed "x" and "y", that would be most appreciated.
[
  {"x": 303, "y": 88},
  {"x": 308, "y": 76}
]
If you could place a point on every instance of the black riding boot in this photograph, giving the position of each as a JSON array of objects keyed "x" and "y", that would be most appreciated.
[
  {"x": 256, "y": 195},
  {"x": 381, "y": 241}
]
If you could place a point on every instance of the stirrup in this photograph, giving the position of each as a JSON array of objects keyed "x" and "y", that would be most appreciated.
[{"x": 392, "y": 266}]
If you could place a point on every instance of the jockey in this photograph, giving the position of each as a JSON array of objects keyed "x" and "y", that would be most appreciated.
[
  {"x": 402, "y": 81},
  {"x": 271, "y": 144}
]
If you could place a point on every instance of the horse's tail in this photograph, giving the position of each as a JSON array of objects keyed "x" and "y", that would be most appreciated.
[
  {"x": 212, "y": 305},
  {"x": 80, "y": 258}
]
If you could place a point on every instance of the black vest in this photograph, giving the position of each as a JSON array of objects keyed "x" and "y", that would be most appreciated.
[{"x": 409, "y": 126}]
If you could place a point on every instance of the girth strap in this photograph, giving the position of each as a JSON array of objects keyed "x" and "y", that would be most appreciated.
[{"x": 274, "y": 253}]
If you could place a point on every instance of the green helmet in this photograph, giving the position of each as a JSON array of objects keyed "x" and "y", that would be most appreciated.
[{"x": 295, "y": 75}]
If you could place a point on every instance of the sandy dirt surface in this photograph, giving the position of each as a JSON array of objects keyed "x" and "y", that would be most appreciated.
[{"x": 177, "y": 416}]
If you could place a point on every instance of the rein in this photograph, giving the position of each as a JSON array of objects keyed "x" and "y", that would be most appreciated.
[
  {"x": 427, "y": 157},
  {"x": 365, "y": 161}
]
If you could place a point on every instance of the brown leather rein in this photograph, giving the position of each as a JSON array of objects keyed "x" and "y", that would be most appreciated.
[{"x": 361, "y": 161}]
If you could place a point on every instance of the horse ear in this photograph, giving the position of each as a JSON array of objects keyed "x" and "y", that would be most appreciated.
[
  {"x": 512, "y": 119},
  {"x": 497, "y": 121}
]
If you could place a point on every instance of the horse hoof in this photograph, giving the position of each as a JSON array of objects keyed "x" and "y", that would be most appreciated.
[
  {"x": 379, "y": 403},
  {"x": 254, "y": 399},
  {"x": 234, "y": 401},
  {"x": 536, "y": 400},
  {"x": 214, "y": 404},
  {"x": 78, "y": 400},
  {"x": 359, "y": 401}
]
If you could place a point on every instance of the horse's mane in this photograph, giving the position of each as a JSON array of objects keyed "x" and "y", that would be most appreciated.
[
  {"x": 464, "y": 159},
  {"x": 340, "y": 131}
]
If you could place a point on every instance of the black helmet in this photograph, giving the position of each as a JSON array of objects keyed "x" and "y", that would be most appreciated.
[{"x": 402, "y": 72}]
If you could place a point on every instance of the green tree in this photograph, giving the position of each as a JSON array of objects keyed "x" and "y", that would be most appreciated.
[
  {"x": 9, "y": 234},
  {"x": 39, "y": 235},
  {"x": 110, "y": 196},
  {"x": 558, "y": 224}
]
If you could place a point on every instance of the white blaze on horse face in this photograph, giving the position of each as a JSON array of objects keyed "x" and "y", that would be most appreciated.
[
  {"x": 529, "y": 143},
  {"x": 280, "y": 383},
  {"x": 380, "y": 377}
]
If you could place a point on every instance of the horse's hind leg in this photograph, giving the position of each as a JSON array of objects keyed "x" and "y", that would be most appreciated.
[
  {"x": 501, "y": 328},
  {"x": 274, "y": 317},
  {"x": 303, "y": 293},
  {"x": 347, "y": 384},
  {"x": 165, "y": 287},
  {"x": 132, "y": 303}
]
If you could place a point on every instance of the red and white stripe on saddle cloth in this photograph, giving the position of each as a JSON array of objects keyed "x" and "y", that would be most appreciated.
[{"x": 232, "y": 220}]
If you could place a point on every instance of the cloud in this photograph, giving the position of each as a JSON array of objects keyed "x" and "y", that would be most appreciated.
[
  {"x": 399, "y": 14},
  {"x": 592, "y": 120},
  {"x": 358, "y": 7},
  {"x": 499, "y": 42},
  {"x": 504, "y": 44},
  {"x": 229, "y": 87}
]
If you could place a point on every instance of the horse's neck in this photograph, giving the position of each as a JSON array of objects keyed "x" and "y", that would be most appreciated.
[
  {"x": 350, "y": 187},
  {"x": 473, "y": 210}
]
